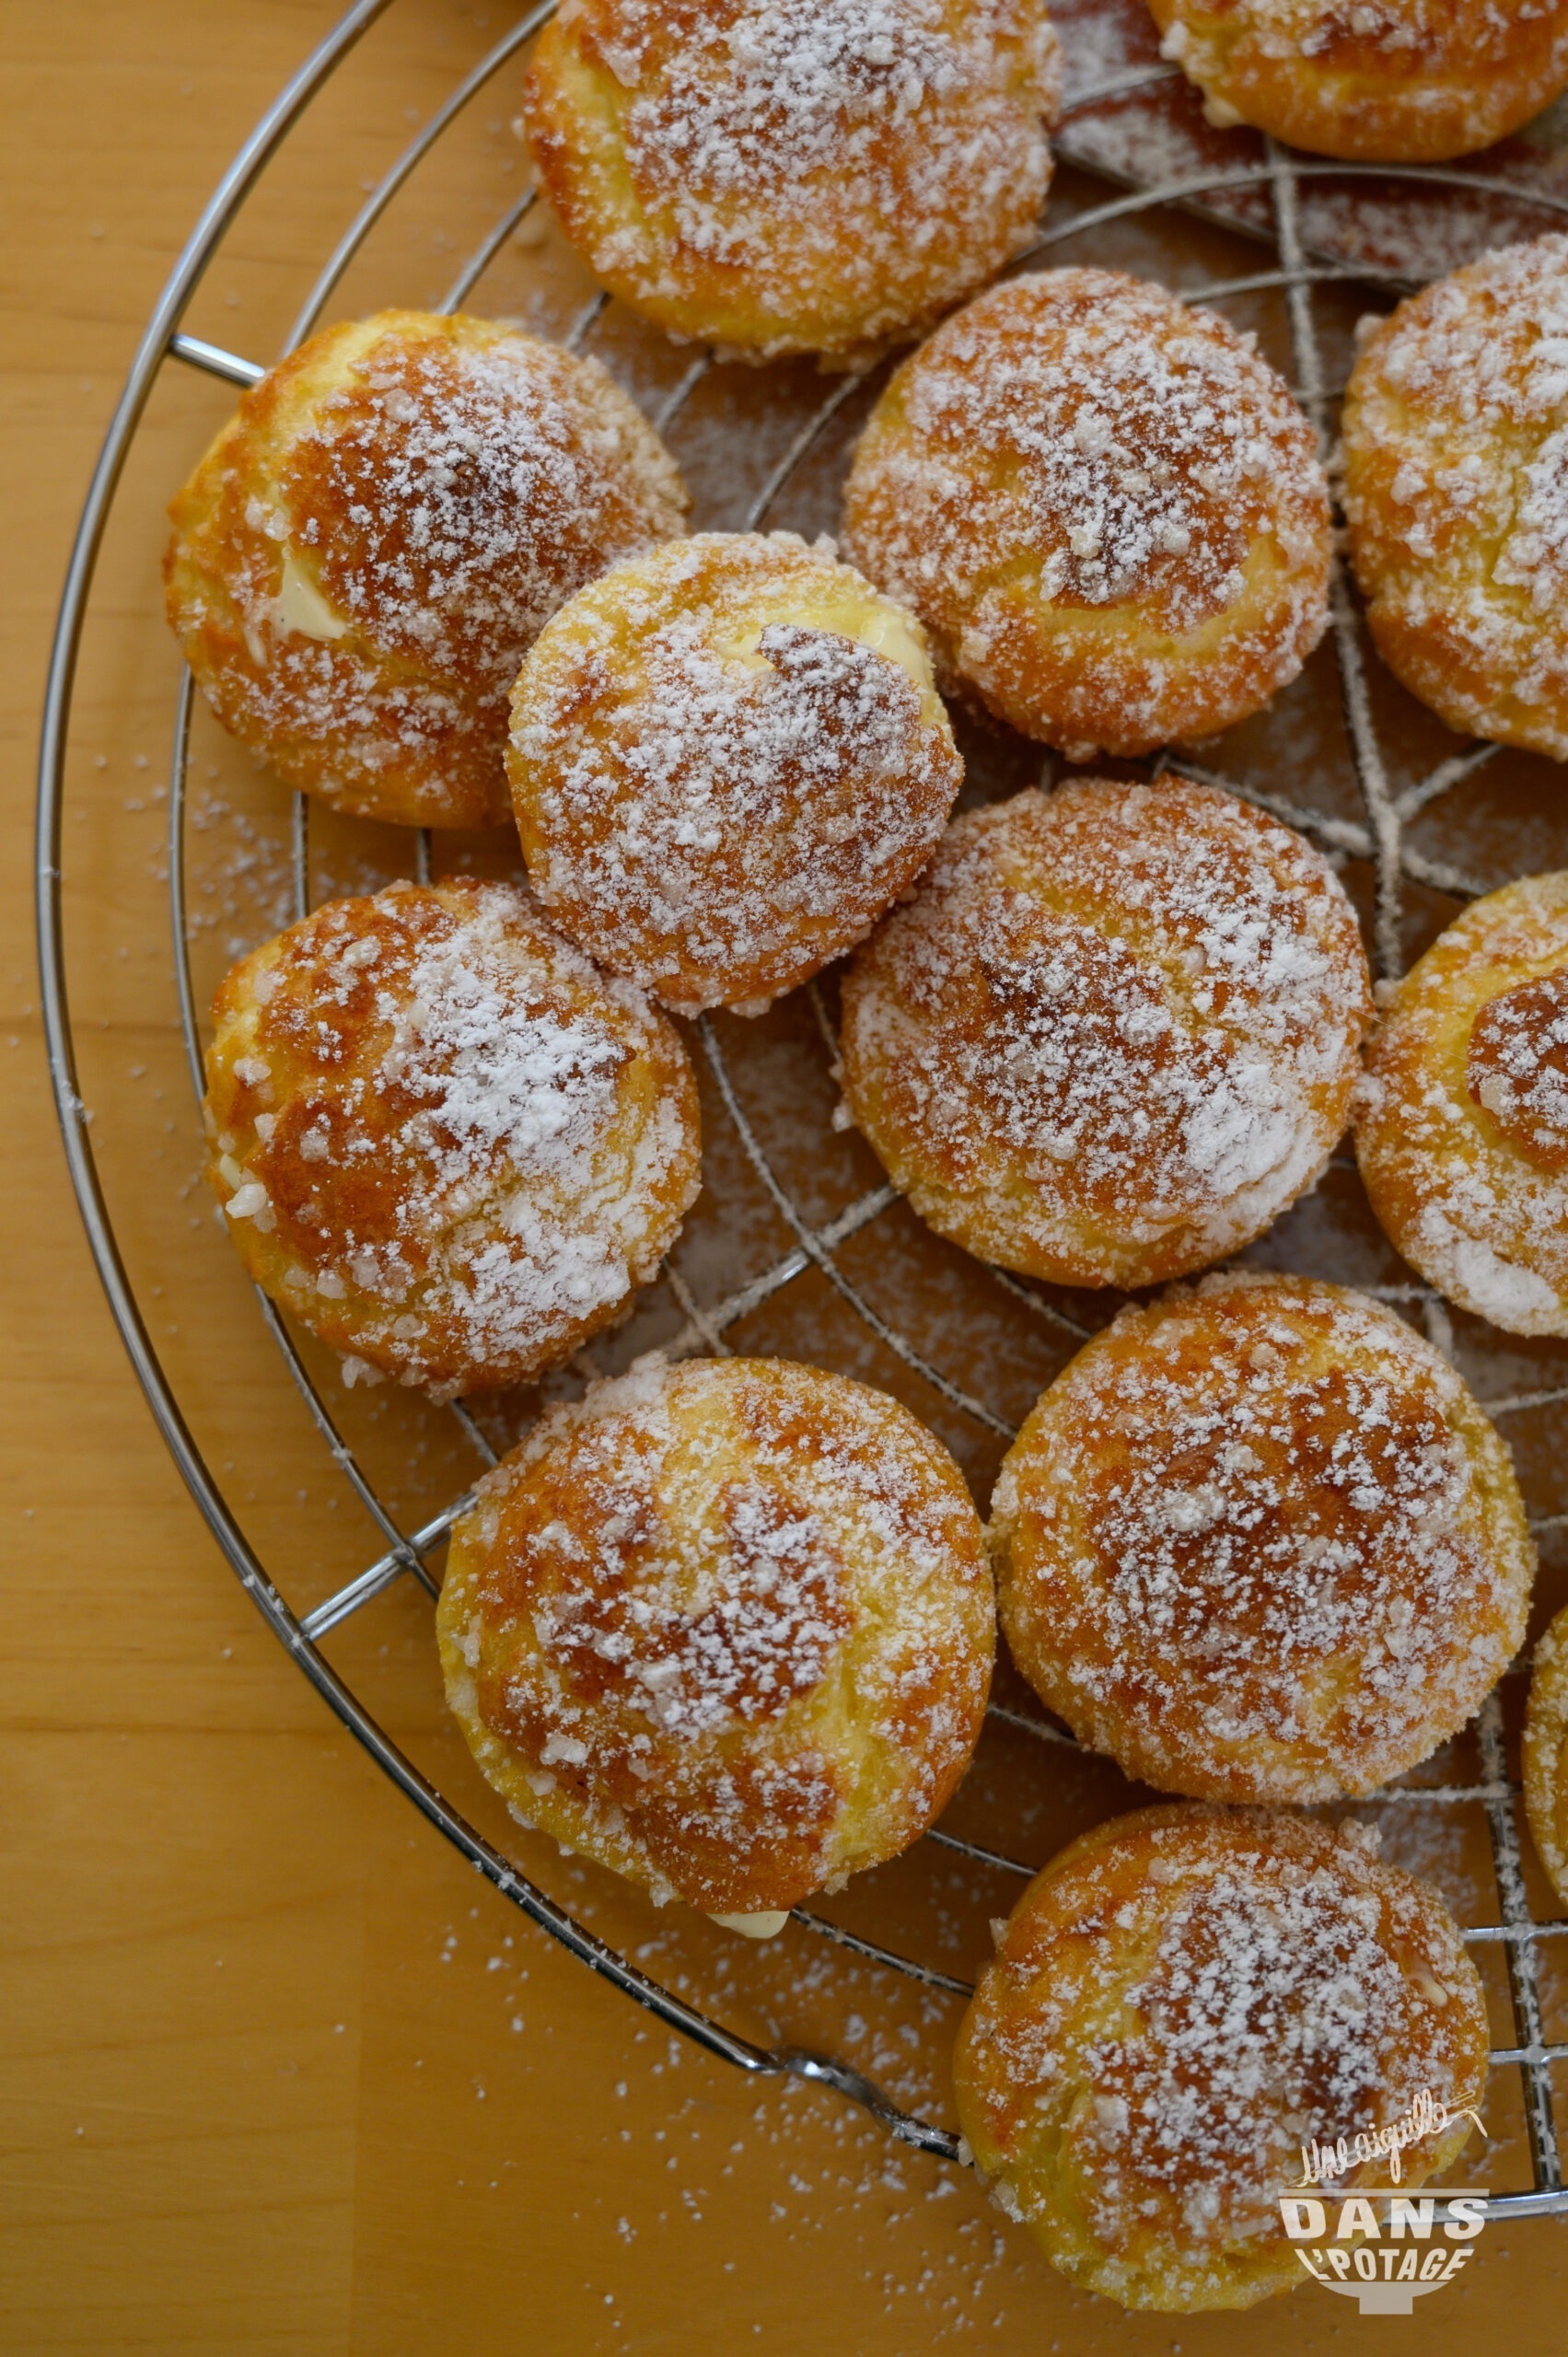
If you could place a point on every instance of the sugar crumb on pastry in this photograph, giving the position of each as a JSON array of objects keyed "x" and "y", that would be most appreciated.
[
  {"x": 1113, "y": 1032},
  {"x": 727, "y": 759},
  {"x": 725, "y": 1627},
  {"x": 1182, "y": 2000},
  {"x": 441, "y": 1141},
  {"x": 1106, "y": 507},
  {"x": 788, "y": 176},
  {"x": 369, "y": 546},
  {"x": 1259, "y": 1543}
]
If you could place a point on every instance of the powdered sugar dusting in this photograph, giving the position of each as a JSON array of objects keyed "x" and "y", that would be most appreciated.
[
  {"x": 1114, "y": 1033},
  {"x": 1406, "y": 79},
  {"x": 1457, "y": 490},
  {"x": 1519, "y": 1066},
  {"x": 721, "y": 784},
  {"x": 1250, "y": 1988},
  {"x": 1132, "y": 435},
  {"x": 1419, "y": 37},
  {"x": 817, "y": 173},
  {"x": 1258, "y": 1544},
  {"x": 400, "y": 507},
  {"x": 1079, "y": 443},
  {"x": 739, "y": 1613},
  {"x": 451, "y": 1143},
  {"x": 773, "y": 1620},
  {"x": 489, "y": 484},
  {"x": 1462, "y": 1131},
  {"x": 1182, "y": 2003}
]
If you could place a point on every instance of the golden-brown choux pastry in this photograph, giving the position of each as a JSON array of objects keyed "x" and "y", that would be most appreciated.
[
  {"x": 1462, "y": 1129},
  {"x": 1546, "y": 1755},
  {"x": 1105, "y": 507},
  {"x": 727, "y": 759},
  {"x": 779, "y": 176},
  {"x": 1259, "y": 1543},
  {"x": 725, "y": 1627},
  {"x": 1114, "y": 1033},
  {"x": 1383, "y": 81},
  {"x": 1184, "y": 2000},
  {"x": 441, "y": 1140},
  {"x": 1455, "y": 425},
  {"x": 361, "y": 559}
]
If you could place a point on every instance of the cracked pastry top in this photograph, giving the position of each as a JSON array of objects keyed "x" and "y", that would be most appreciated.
[
  {"x": 725, "y": 1627},
  {"x": 790, "y": 176},
  {"x": 1381, "y": 81},
  {"x": 727, "y": 759},
  {"x": 441, "y": 1140},
  {"x": 364, "y": 556},
  {"x": 1107, "y": 509},
  {"x": 1184, "y": 1999},
  {"x": 1114, "y": 1031}
]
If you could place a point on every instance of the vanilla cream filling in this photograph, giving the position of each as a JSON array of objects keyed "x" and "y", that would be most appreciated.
[
  {"x": 301, "y": 606},
  {"x": 880, "y": 627},
  {"x": 764, "y": 1926}
]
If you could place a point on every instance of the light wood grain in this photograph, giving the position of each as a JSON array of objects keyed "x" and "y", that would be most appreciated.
[{"x": 279, "y": 2074}]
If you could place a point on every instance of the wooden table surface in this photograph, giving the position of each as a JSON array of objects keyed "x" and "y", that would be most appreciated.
[{"x": 279, "y": 2073}]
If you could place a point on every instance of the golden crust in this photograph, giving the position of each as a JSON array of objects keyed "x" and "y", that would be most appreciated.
[
  {"x": 727, "y": 759},
  {"x": 1397, "y": 82},
  {"x": 1115, "y": 1032},
  {"x": 1454, "y": 427},
  {"x": 441, "y": 1141},
  {"x": 748, "y": 171},
  {"x": 725, "y": 1627},
  {"x": 1259, "y": 1543},
  {"x": 1180, "y": 2002},
  {"x": 1462, "y": 1125},
  {"x": 1546, "y": 1755},
  {"x": 1106, "y": 509},
  {"x": 372, "y": 541}
]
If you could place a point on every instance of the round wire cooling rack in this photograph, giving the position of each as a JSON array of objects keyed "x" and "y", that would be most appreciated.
[{"x": 799, "y": 1247}]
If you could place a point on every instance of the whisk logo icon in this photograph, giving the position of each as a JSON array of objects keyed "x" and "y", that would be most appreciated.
[{"x": 1380, "y": 2247}]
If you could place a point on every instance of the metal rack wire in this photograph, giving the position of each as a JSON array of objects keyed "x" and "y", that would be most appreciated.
[{"x": 1378, "y": 837}]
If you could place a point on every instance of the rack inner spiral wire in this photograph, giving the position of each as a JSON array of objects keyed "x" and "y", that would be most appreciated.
[{"x": 1379, "y": 836}]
